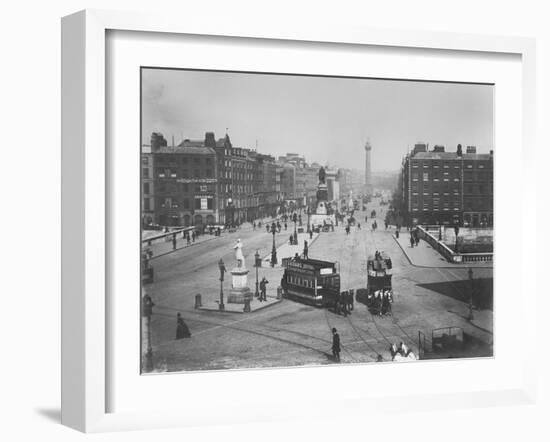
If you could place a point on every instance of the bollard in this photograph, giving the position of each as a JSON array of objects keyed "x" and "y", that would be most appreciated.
[
  {"x": 246, "y": 308},
  {"x": 198, "y": 300}
]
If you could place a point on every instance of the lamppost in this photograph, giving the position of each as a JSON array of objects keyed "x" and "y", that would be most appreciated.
[
  {"x": 231, "y": 210},
  {"x": 221, "y": 265},
  {"x": 273, "y": 250},
  {"x": 295, "y": 218},
  {"x": 308, "y": 221},
  {"x": 471, "y": 307},
  {"x": 257, "y": 263},
  {"x": 147, "y": 311}
]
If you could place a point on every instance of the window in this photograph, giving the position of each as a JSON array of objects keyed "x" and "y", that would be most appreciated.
[
  {"x": 196, "y": 160},
  {"x": 146, "y": 204},
  {"x": 197, "y": 173},
  {"x": 425, "y": 176},
  {"x": 203, "y": 188},
  {"x": 144, "y": 160},
  {"x": 186, "y": 203},
  {"x": 210, "y": 203},
  {"x": 146, "y": 188},
  {"x": 185, "y": 173},
  {"x": 209, "y": 173},
  {"x": 145, "y": 172},
  {"x": 197, "y": 203}
]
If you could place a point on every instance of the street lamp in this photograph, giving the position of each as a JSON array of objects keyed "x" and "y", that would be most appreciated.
[
  {"x": 273, "y": 250},
  {"x": 308, "y": 217},
  {"x": 257, "y": 263},
  {"x": 295, "y": 218},
  {"x": 221, "y": 265},
  {"x": 471, "y": 307}
]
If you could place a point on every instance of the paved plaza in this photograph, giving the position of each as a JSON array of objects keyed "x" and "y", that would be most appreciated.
[{"x": 429, "y": 293}]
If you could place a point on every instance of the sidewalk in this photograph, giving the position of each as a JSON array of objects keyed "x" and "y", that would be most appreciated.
[
  {"x": 162, "y": 247},
  {"x": 424, "y": 255}
]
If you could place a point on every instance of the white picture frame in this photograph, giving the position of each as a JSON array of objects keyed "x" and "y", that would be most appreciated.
[{"x": 85, "y": 233}]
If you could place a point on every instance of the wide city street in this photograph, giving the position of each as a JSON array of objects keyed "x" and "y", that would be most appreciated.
[{"x": 290, "y": 333}]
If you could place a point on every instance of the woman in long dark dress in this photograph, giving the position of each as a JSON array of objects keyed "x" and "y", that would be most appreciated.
[{"x": 182, "y": 331}]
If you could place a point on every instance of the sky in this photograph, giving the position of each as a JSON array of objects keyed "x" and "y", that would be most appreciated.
[{"x": 326, "y": 119}]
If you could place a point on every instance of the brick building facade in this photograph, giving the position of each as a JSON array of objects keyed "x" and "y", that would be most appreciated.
[{"x": 447, "y": 187}]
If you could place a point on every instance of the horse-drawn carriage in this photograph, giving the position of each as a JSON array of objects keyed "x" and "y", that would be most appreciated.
[{"x": 378, "y": 296}]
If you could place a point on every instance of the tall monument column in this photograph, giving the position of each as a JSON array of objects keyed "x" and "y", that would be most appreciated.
[{"x": 368, "y": 172}]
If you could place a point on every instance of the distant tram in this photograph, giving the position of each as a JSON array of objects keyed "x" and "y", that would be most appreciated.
[{"x": 311, "y": 281}]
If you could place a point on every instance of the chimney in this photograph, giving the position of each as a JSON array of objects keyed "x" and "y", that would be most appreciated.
[
  {"x": 470, "y": 149},
  {"x": 439, "y": 148},
  {"x": 419, "y": 147},
  {"x": 157, "y": 141},
  {"x": 459, "y": 150},
  {"x": 491, "y": 152},
  {"x": 209, "y": 139}
]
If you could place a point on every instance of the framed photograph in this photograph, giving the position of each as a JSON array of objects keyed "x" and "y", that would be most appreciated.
[{"x": 278, "y": 210}]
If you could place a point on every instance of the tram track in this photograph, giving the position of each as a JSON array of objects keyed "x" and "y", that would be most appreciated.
[
  {"x": 348, "y": 317},
  {"x": 393, "y": 319}
]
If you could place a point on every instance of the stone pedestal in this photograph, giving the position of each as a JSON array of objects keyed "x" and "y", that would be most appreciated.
[{"x": 240, "y": 291}]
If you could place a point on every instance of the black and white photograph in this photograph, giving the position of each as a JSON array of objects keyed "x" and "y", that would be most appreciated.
[{"x": 298, "y": 220}]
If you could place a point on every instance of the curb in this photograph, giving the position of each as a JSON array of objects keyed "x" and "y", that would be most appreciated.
[
  {"x": 433, "y": 267},
  {"x": 240, "y": 312}
]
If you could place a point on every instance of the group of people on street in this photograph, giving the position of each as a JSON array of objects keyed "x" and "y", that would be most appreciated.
[{"x": 344, "y": 303}]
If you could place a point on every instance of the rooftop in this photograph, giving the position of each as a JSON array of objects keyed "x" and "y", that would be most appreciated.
[
  {"x": 450, "y": 156},
  {"x": 190, "y": 150}
]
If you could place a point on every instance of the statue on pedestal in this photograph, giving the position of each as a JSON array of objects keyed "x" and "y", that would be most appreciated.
[
  {"x": 322, "y": 175},
  {"x": 238, "y": 247},
  {"x": 240, "y": 292}
]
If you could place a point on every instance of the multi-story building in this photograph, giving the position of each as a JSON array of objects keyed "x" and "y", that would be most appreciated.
[
  {"x": 180, "y": 188},
  {"x": 447, "y": 187}
]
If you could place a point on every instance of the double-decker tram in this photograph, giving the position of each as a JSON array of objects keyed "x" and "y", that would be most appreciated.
[{"x": 311, "y": 281}]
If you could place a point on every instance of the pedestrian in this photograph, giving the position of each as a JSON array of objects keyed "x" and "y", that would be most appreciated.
[
  {"x": 350, "y": 300},
  {"x": 396, "y": 233},
  {"x": 310, "y": 234},
  {"x": 358, "y": 226},
  {"x": 188, "y": 238},
  {"x": 285, "y": 226},
  {"x": 174, "y": 242},
  {"x": 253, "y": 225},
  {"x": 344, "y": 303},
  {"x": 278, "y": 227},
  {"x": 194, "y": 235},
  {"x": 148, "y": 305},
  {"x": 267, "y": 227},
  {"x": 416, "y": 239},
  {"x": 335, "y": 345},
  {"x": 306, "y": 256},
  {"x": 263, "y": 289},
  {"x": 182, "y": 331},
  {"x": 412, "y": 241},
  {"x": 291, "y": 239}
]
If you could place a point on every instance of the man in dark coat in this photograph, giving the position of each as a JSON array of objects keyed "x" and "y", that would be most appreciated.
[
  {"x": 263, "y": 289},
  {"x": 182, "y": 331},
  {"x": 306, "y": 250},
  {"x": 335, "y": 345}
]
